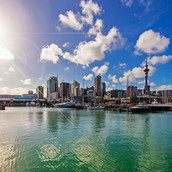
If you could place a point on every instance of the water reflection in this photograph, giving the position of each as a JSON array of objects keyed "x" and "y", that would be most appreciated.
[{"x": 52, "y": 121}]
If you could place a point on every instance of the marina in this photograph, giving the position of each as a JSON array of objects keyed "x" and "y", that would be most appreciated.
[{"x": 58, "y": 139}]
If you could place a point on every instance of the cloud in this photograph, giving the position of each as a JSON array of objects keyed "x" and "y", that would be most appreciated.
[
  {"x": 26, "y": 81},
  {"x": 1, "y": 79},
  {"x": 122, "y": 64},
  {"x": 128, "y": 3},
  {"x": 135, "y": 73},
  {"x": 88, "y": 52},
  {"x": 164, "y": 87},
  {"x": 89, "y": 9},
  {"x": 113, "y": 78},
  {"x": 40, "y": 78},
  {"x": 71, "y": 20},
  {"x": 66, "y": 44},
  {"x": 67, "y": 68},
  {"x": 113, "y": 85},
  {"x": 11, "y": 69},
  {"x": 151, "y": 42},
  {"x": 5, "y": 54},
  {"x": 88, "y": 77},
  {"x": 96, "y": 28},
  {"x": 152, "y": 84},
  {"x": 5, "y": 73},
  {"x": 51, "y": 53},
  {"x": 12, "y": 91},
  {"x": 100, "y": 71},
  {"x": 107, "y": 83},
  {"x": 109, "y": 89},
  {"x": 159, "y": 59}
]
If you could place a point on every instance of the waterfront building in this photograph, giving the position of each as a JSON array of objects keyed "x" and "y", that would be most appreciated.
[
  {"x": 97, "y": 85},
  {"x": 40, "y": 92},
  {"x": 131, "y": 91},
  {"x": 116, "y": 94},
  {"x": 30, "y": 95},
  {"x": 103, "y": 92},
  {"x": 52, "y": 88},
  {"x": 64, "y": 90}
]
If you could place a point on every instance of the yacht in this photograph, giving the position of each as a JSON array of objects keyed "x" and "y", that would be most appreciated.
[
  {"x": 141, "y": 107},
  {"x": 96, "y": 108},
  {"x": 155, "y": 106},
  {"x": 67, "y": 105}
]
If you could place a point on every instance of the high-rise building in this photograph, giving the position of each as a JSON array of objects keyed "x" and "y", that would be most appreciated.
[
  {"x": 147, "y": 87},
  {"x": 64, "y": 90},
  {"x": 103, "y": 92},
  {"x": 40, "y": 92},
  {"x": 52, "y": 88},
  {"x": 131, "y": 91},
  {"x": 76, "y": 88},
  {"x": 97, "y": 85}
]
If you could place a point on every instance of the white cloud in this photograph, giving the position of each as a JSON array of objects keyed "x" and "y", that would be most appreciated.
[
  {"x": 5, "y": 73},
  {"x": 159, "y": 59},
  {"x": 5, "y": 54},
  {"x": 152, "y": 84},
  {"x": 136, "y": 72},
  {"x": 66, "y": 44},
  {"x": 67, "y": 68},
  {"x": 128, "y": 3},
  {"x": 106, "y": 63},
  {"x": 88, "y": 52},
  {"x": 51, "y": 53},
  {"x": 11, "y": 69},
  {"x": 12, "y": 91},
  {"x": 1, "y": 79},
  {"x": 71, "y": 20},
  {"x": 109, "y": 89},
  {"x": 40, "y": 78},
  {"x": 96, "y": 28},
  {"x": 89, "y": 9},
  {"x": 113, "y": 85},
  {"x": 88, "y": 77},
  {"x": 164, "y": 87},
  {"x": 151, "y": 42},
  {"x": 113, "y": 78},
  {"x": 100, "y": 71},
  {"x": 122, "y": 64},
  {"x": 107, "y": 83},
  {"x": 26, "y": 81}
]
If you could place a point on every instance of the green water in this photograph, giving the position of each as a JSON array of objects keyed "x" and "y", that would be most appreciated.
[{"x": 42, "y": 139}]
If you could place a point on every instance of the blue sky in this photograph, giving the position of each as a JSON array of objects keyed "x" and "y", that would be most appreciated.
[{"x": 83, "y": 38}]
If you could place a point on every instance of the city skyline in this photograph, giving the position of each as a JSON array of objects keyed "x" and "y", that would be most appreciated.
[{"x": 38, "y": 41}]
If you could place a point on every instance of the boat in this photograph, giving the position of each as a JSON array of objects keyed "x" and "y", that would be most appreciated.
[
  {"x": 67, "y": 105},
  {"x": 2, "y": 107},
  {"x": 96, "y": 108},
  {"x": 141, "y": 107},
  {"x": 155, "y": 106}
]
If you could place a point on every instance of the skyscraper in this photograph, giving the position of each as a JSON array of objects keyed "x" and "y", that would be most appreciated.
[
  {"x": 64, "y": 90},
  {"x": 147, "y": 87},
  {"x": 40, "y": 92},
  {"x": 75, "y": 88},
  {"x": 52, "y": 88},
  {"x": 103, "y": 89},
  {"x": 97, "y": 85},
  {"x": 131, "y": 91}
]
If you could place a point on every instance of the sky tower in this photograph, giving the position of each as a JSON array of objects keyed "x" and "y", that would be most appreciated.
[{"x": 147, "y": 87}]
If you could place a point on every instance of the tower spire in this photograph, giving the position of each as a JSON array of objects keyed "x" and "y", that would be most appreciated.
[{"x": 146, "y": 70}]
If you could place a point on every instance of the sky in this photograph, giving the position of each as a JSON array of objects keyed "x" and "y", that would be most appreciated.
[{"x": 80, "y": 39}]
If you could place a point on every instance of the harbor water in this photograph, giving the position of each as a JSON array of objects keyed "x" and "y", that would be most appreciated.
[{"x": 51, "y": 139}]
